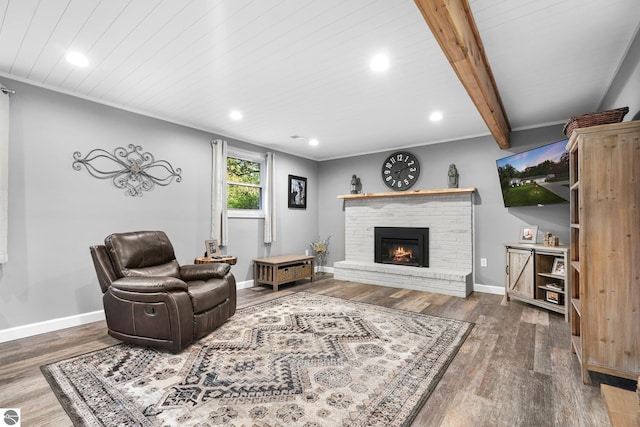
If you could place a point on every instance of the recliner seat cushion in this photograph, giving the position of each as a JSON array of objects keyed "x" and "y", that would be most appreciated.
[{"x": 206, "y": 295}]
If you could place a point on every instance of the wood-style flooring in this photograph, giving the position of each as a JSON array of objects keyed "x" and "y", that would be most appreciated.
[{"x": 515, "y": 368}]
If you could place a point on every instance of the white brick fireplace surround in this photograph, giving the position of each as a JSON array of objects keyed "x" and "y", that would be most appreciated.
[{"x": 448, "y": 214}]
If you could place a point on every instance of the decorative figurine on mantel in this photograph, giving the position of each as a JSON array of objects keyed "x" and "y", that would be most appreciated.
[
  {"x": 453, "y": 176},
  {"x": 355, "y": 184}
]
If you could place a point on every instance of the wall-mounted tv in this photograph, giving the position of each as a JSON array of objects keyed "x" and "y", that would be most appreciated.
[{"x": 535, "y": 177}]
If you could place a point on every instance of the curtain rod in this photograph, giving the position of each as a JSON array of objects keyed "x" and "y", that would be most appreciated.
[{"x": 7, "y": 91}]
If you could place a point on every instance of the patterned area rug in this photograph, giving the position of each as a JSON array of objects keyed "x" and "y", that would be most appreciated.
[{"x": 300, "y": 360}]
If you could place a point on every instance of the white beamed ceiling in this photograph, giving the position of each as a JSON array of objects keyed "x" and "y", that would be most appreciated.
[{"x": 300, "y": 67}]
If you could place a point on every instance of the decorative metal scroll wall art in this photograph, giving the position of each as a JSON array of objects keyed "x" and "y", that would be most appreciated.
[{"x": 129, "y": 169}]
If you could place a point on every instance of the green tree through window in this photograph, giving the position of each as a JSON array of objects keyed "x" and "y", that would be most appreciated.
[{"x": 244, "y": 186}]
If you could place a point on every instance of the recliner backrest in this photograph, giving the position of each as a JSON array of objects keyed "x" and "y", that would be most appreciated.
[{"x": 142, "y": 253}]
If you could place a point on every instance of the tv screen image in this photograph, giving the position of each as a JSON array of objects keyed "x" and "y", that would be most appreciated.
[{"x": 535, "y": 177}]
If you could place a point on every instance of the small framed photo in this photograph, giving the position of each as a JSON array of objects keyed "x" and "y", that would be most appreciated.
[
  {"x": 558, "y": 267},
  {"x": 528, "y": 234},
  {"x": 554, "y": 297},
  {"x": 297, "y": 192},
  {"x": 211, "y": 247}
]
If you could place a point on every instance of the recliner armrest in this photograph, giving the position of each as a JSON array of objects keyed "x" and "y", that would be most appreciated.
[
  {"x": 204, "y": 271},
  {"x": 149, "y": 284}
]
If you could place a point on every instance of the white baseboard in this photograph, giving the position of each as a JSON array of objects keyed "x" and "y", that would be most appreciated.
[
  {"x": 244, "y": 284},
  {"x": 488, "y": 289},
  {"x": 50, "y": 325}
]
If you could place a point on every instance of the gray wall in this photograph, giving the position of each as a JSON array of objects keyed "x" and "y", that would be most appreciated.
[
  {"x": 56, "y": 213},
  {"x": 625, "y": 88},
  {"x": 475, "y": 161}
]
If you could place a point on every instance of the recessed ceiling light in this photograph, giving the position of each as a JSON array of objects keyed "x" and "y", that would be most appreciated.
[
  {"x": 236, "y": 115},
  {"x": 379, "y": 63},
  {"x": 314, "y": 142},
  {"x": 436, "y": 116},
  {"x": 77, "y": 59}
]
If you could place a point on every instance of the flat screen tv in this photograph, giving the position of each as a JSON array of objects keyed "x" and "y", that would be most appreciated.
[{"x": 535, "y": 177}]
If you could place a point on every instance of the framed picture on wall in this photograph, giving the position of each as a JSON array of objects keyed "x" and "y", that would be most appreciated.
[
  {"x": 211, "y": 247},
  {"x": 297, "y": 192},
  {"x": 528, "y": 234}
]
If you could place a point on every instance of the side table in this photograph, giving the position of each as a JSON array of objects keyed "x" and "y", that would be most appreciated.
[
  {"x": 277, "y": 270},
  {"x": 231, "y": 260}
]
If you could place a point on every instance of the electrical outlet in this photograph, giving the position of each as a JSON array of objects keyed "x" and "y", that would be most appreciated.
[{"x": 483, "y": 262}]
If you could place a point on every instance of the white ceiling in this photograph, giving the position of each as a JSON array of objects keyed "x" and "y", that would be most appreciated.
[{"x": 300, "y": 67}]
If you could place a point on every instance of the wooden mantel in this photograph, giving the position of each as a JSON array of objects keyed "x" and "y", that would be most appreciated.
[{"x": 409, "y": 193}]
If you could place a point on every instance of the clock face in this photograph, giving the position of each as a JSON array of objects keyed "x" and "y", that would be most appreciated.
[{"x": 400, "y": 171}]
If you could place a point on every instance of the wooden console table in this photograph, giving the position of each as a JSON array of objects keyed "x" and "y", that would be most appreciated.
[{"x": 277, "y": 270}]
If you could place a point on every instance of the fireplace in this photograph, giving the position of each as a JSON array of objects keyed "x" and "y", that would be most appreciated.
[{"x": 402, "y": 245}]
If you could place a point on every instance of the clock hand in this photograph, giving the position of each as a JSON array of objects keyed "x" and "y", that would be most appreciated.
[{"x": 398, "y": 172}]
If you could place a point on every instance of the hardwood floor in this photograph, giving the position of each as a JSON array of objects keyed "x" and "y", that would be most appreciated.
[{"x": 515, "y": 368}]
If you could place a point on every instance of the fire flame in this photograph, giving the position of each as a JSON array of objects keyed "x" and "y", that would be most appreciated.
[{"x": 399, "y": 253}]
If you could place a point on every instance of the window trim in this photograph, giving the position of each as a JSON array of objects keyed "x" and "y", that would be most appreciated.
[{"x": 252, "y": 156}]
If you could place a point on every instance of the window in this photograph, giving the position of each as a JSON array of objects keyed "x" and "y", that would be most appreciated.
[{"x": 245, "y": 172}]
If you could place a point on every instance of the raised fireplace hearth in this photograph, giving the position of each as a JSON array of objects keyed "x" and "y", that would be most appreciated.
[{"x": 402, "y": 246}]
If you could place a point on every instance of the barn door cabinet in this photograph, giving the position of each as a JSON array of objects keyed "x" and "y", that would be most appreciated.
[
  {"x": 604, "y": 166},
  {"x": 537, "y": 274}
]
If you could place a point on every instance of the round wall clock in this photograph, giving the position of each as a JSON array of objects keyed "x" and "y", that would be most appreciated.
[{"x": 400, "y": 170}]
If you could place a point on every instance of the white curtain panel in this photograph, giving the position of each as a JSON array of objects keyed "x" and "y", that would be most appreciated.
[
  {"x": 269, "y": 204},
  {"x": 4, "y": 175},
  {"x": 219, "y": 227}
]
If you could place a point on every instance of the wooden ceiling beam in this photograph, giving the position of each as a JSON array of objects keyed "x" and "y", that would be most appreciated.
[{"x": 453, "y": 26}]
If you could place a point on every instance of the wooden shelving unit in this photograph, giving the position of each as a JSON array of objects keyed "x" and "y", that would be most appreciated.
[
  {"x": 530, "y": 277},
  {"x": 604, "y": 167}
]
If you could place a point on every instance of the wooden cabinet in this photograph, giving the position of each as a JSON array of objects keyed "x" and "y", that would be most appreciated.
[
  {"x": 604, "y": 269},
  {"x": 537, "y": 274}
]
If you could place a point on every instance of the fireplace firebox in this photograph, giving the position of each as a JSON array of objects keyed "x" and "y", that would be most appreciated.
[{"x": 402, "y": 245}]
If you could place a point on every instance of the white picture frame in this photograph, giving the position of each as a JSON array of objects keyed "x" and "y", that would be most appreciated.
[
  {"x": 558, "y": 267},
  {"x": 529, "y": 234}
]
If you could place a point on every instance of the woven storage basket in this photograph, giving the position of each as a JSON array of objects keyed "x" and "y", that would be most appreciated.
[{"x": 594, "y": 119}]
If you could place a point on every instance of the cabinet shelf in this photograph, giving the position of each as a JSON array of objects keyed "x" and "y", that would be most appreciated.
[
  {"x": 576, "y": 304},
  {"x": 551, "y": 275},
  {"x": 547, "y": 288},
  {"x": 575, "y": 225},
  {"x": 558, "y": 308},
  {"x": 576, "y": 342},
  {"x": 576, "y": 265}
]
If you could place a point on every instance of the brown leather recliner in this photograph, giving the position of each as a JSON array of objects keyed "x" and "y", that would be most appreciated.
[{"x": 149, "y": 299}]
